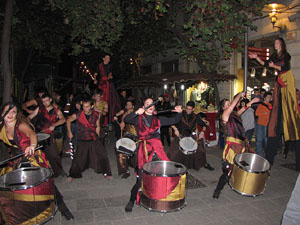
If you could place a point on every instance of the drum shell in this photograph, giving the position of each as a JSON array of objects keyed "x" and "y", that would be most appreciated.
[
  {"x": 247, "y": 182},
  {"x": 32, "y": 205},
  {"x": 59, "y": 140},
  {"x": 46, "y": 141},
  {"x": 174, "y": 199}
]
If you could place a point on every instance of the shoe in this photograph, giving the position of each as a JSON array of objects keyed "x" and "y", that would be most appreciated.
[
  {"x": 284, "y": 156},
  {"x": 209, "y": 167},
  {"x": 107, "y": 177},
  {"x": 129, "y": 207},
  {"x": 67, "y": 214},
  {"x": 216, "y": 194},
  {"x": 125, "y": 175}
]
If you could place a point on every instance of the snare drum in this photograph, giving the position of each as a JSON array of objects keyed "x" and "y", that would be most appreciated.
[
  {"x": 163, "y": 187},
  {"x": 126, "y": 146},
  {"x": 27, "y": 196},
  {"x": 188, "y": 145},
  {"x": 44, "y": 139},
  {"x": 249, "y": 174}
]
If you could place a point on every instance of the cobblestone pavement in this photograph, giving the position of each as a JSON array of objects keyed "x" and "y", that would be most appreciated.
[{"x": 95, "y": 200}]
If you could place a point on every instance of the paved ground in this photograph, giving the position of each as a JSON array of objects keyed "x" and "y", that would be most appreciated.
[{"x": 95, "y": 200}]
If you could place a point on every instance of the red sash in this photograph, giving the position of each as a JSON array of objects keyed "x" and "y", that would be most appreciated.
[
  {"x": 82, "y": 119},
  {"x": 147, "y": 147}
]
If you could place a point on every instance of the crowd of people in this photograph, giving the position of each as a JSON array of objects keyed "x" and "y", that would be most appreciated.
[{"x": 83, "y": 121}]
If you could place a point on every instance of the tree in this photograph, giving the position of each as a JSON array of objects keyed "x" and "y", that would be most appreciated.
[
  {"x": 5, "y": 43},
  {"x": 205, "y": 29},
  {"x": 94, "y": 24}
]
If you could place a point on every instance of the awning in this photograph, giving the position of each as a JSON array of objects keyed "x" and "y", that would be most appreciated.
[{"x": 156, "y": 80}]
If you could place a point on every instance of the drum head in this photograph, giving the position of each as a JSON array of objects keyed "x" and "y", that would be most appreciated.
[
  {"x": 24, "y": 178},
  {"x": 126, "y": 143},
  {"x": 42, "y": 136},
  {"x": 188, "y": 144},
  {"x": 252, "y": 162},
  {"x": 164, "y": 169}
]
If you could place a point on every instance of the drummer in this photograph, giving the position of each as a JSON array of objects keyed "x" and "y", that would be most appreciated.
[
  {"x": 123, "y": 161},
  {"x": 150, "y": 148},
  {"x": 186, "y": 128},
  {"x": 236, "y": 142},
  {"x": 90, "y": 153},
  {"x": 20, "y": 138},
  {"x": 47, "y": 118},
  {"x": 30, "y": 105}
]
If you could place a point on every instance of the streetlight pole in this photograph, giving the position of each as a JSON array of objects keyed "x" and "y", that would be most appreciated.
[{"x": 246, "y": 59}]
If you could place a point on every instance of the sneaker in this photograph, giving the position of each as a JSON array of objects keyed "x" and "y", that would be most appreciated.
[
  {"x": 125, "y": 175},
  {"x": 216, "y": 194},
  {"x": 67, "y": 214},
  {"x": 209, "y": 167},
  {"x": 129, "y": 207}
]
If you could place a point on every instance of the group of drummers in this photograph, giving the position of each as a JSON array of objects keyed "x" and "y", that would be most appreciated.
[{"x": 140, "y": 143}]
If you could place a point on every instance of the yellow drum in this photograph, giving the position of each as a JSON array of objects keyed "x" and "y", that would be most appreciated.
[
  {"x": 163, "y": 187},
  {"x": 249, "y": 175}
]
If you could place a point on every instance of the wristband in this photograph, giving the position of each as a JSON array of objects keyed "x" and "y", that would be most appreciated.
[{"x": 34, "y": 145}]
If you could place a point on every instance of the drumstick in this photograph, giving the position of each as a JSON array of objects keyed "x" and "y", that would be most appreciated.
[
  {"x": 18, "y": 156},
  {"x": 71, "y": 148}
]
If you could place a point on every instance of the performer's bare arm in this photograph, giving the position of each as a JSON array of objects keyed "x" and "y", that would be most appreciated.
[
  {"x": 33, "y": 113},
  {"x": 70, "y": 119},
  {"x": 24, "y": 128},
  {"x": 27, "y": 104},
  {"x": 61, "y": 121},
  {"x": 98, "y": 127},
  {"x": 229, "y": 110}
]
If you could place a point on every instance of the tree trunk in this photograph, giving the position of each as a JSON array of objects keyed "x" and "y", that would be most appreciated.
[{"x": 5, "y": 44}]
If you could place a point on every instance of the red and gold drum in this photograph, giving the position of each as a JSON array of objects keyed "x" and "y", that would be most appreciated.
[
  {"x": 163, "y": 187},
  {"x": 249, "y": 174},
  {"x": 27, "y": 196}
]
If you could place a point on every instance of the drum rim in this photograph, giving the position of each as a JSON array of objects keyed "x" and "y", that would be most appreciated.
[
  {"x": 245, "y": 194},
  {"x": 44, "y": 134},
  {"x": 189, "y": 137},
  {"x": 162, "y": 175},
  {"x": 118, "y": 141},
  {"x": 249, "y": 170},
  {"x": 24, "y": 187}
]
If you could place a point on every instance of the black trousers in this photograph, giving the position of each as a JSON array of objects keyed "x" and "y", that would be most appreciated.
[{"x": 224, "y": 178}]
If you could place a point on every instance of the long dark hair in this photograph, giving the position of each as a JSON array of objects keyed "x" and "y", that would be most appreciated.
[
  {"x": 283, "y": 47},
  {"x": 20, "y": 115},
  {"x": 222, "y": 103}
]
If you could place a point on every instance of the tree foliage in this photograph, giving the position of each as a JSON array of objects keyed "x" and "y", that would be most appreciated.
[
  {"x": 206, "y": 29},
  {"x": 94, "y": 24}
]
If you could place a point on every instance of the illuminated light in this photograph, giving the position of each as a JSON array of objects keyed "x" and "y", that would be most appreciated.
[
  {"x": 165, "y": 87},
  {"x": 268, "y": 50},
  {"x": 264, "y": 73},
  {"x": 182, "y": 87},
  {"x": 276, "y": 73},
  {"x": 268, "y": 54},
  {"x": 252, "y": 74},
  {"x": 84, "y": 67},
  {"x": 267, "y": 58},
  {"x": 82, "y": 63}
]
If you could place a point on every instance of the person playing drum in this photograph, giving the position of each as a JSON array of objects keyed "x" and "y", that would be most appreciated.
[
  {"x": 47, "y": 118},
  {"x": 20, "y": 138},
  {"x": 123, "y": 161},
  {"x": 186, "y": 128},
  {"x": 236, "y": 141},
  {"x": 150, "y": 148},
  {"x": 90, "y": 153}
]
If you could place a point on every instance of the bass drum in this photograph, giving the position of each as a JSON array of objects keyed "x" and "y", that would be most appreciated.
[
  {"x": 249, "y": 174},
  {"x": 163, "y": 186},
  {"x": 27, "y": 196}
]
